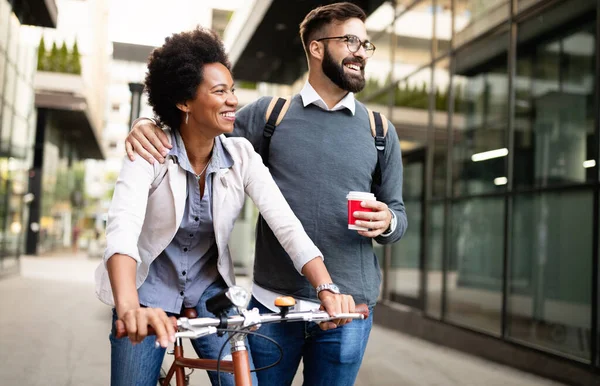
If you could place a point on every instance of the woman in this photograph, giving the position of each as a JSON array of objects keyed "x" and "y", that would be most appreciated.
[{"x": 169, "y": 224}]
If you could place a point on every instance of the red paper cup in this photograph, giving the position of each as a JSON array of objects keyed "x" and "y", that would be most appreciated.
[{"x": 354, "y": 201}]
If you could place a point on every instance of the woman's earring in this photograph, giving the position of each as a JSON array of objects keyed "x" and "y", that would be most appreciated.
[{"x": 186, "y": 117}]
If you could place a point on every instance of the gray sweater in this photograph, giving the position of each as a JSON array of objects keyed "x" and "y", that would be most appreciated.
[{"x": 317, "y": 157}]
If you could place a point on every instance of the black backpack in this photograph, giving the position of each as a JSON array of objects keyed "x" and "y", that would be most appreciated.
[{"x": 279, "y": 106}]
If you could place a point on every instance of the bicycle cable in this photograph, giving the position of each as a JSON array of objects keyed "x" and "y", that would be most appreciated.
[{"x": 239, "y": 332}]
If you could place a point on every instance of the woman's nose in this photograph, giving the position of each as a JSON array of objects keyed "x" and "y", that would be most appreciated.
[{"x": 232, "y": 100}]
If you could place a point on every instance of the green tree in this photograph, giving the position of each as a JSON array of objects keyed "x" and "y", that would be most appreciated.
[
  {"x": 441, "y": 102},
  {"x": 42, "y": 56},
  {"x": 63, "y": 59},
  {"x": 370, "y": 86},
  {"x": 53, "y": 61},
  {"x": 75, "y": 60},
  {"x": 403, "y": 95}
]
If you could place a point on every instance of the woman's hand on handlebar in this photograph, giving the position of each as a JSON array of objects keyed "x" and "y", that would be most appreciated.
[
  {"x": 335, "y": 304},
  {"x": 137, "y": 323}
]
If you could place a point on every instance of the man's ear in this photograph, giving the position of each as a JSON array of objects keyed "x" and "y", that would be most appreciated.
[{"x": 316, "y": 49}]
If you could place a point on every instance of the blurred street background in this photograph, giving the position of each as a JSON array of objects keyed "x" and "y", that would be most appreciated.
[
  {"x": 496, "y": 104},
  {"x": 56, "y": 333}
]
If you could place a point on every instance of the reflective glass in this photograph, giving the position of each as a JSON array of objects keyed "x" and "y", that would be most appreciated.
[
  {"x": 7, "y": 119},
  {"x": 2, "y": 69},
  {"x": 441, "y": 84},
  {"x": 21, "y": 142},
  {"x": 550, "y": 282},
  {"x": 474, "y": 17},
  {"x": 5, "y": 12},
  {"x": 11, "y": 84},
  {"x": 4, "y": 186},
  {"x": 23, "y": 98},
  {"x": 414, "y": 31},
  {"x": 54, "y": 183},
  {"x": 405, "y": 274},
  {"x": 13, "y": 44},
  {"x": 480, "y": 118},
  {"x": 443, "y": 26},
  {"x": 554, "y": 104},
  {"x": 434, "y": 260},
  {"x": 474, "y": 278},
  {"x": 410, "y": 114}
]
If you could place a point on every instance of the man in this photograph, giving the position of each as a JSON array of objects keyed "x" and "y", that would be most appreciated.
[{"x": 322, "y": 149}]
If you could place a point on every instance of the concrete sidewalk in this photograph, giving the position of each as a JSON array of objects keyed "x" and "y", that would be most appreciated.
[{"x": 53, "y": 331}]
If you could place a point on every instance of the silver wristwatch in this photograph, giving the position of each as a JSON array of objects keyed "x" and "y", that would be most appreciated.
[{"x": 328, "y": 287}]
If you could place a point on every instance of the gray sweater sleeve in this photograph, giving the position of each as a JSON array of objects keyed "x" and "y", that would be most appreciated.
[
  {"x": 391, "y": 186},
  {"x": 250, "y": 121}
]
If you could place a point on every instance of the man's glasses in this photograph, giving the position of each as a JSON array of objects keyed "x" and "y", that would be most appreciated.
[{"x": 354, "y": 44}]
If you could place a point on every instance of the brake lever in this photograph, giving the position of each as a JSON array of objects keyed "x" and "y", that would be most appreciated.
[{"x": 196, "y": 332}]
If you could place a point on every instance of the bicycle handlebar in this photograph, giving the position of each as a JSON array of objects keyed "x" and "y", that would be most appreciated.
[{"x": 250, "y": 317}]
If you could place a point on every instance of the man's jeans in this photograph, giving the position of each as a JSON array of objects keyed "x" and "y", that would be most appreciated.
[
  {"x": 330, "y": 357},
  {"x": 140, "y": 364}
]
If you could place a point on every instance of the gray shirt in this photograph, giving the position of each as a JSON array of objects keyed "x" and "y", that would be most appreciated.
[
  {"x": 317, "y": 157},
  {"x": 183, "y": 271}
]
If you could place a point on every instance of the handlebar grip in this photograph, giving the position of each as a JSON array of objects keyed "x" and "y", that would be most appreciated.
[{"x": 362, "y": 309}]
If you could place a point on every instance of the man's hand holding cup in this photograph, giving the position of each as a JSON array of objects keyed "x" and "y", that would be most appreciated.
[{"x": 367, "y": 215}]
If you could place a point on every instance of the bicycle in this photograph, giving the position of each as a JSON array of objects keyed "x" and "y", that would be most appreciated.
[{"x": 244, "y": 323}]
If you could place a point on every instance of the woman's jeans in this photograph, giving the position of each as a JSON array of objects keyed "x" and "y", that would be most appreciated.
[
  {"x": 331, "y": 358},
  {"x": 140, "y": 364}
]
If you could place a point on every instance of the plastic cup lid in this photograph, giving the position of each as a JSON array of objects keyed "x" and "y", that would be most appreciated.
[{"x": 360, "y": 196}]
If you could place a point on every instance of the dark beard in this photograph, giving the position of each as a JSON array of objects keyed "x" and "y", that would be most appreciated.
[{"x": 336, "y": 74}]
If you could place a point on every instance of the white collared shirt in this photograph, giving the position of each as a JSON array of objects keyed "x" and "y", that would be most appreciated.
[{"x": 310, "y": 96}]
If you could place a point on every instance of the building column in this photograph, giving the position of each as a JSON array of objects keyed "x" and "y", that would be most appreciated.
[
  {"x": 35, "y": 184},
  {"x": 136, "y": 98}
]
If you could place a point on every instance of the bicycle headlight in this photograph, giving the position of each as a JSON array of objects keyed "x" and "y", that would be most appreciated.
[
  {"x": 229, "y": 297},
  {"x": 238, "y": 296}
]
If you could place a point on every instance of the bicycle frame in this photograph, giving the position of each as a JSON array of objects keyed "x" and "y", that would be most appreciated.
[{"x": 239, "y": 365}]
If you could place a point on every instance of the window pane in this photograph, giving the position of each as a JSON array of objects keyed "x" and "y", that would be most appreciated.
[
  {"x": 410, "y": 114},
  {"x": 377, "y": 71},
  {"x": 5, "y": 12},
  {"x": 20, "y": 141},
  {"x": 434, "y": 260},
  {"x": 23, "y": 97},
  {"x": 441, "y": 80},
  {"x": 474, "y": 282},
  {"x": 443, "y": 26},
  {"x": 405, "y": 273},
  {"x": 414, "y": 29},
  {"x": 7, "y": 119},
  {"x": 10, "y": 86},
  {"x": 2, "y": 68},
  {"x": 13, "y": 44},
  {"x": 550, "y": 282},
  {"x": 480, "y": 118},
  {"x": 554, "y": 126},
  {"x": 4, "y": 236},
  {"x": 474, "y": 17}
]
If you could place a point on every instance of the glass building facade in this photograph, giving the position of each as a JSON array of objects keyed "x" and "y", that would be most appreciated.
[
  {"x": 17, "y": 135},
  {"x": 496, "y": 107},
  {"x": 41, "y": 180}
]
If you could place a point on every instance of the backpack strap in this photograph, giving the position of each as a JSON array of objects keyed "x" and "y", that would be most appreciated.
[
  {"x": 274, "y": 114},
  {"x": 379, "y": 126}
]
